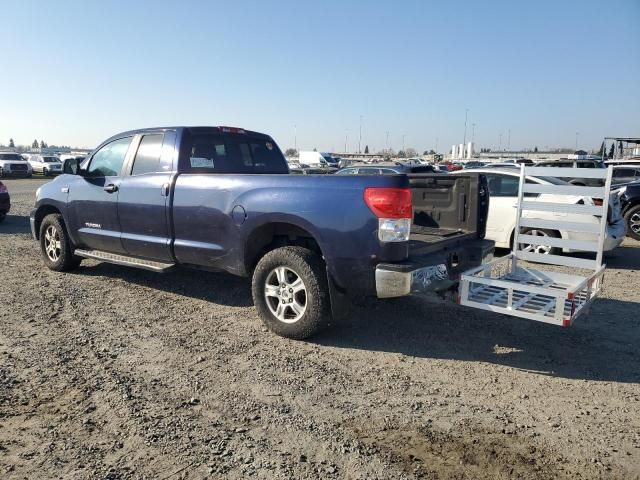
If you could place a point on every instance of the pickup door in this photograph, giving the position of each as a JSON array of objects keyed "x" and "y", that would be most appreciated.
[
  {"x": 143, "y": 201},
  {"x": 92, "y": 201}
]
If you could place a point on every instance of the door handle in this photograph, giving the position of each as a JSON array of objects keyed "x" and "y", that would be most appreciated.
[
  {"x": 164, "y": 190},
  {"x": 110, "y": 188}
]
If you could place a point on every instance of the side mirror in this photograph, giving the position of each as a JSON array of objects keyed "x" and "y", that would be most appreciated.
[{"x": 72, "y": 166}]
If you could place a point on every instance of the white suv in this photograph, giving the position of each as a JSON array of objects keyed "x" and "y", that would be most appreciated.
[
  {"x": 14, "y": 165},
  {"x": 46, "y": 164}
]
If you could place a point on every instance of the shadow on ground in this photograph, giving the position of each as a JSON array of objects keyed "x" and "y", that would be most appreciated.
[
  {"x": 602, "y": 345},
  {"x": 220, "y": 288},
  {"x": 13, "y": 224}
]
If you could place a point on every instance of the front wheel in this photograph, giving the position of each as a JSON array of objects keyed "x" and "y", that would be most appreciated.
[
  {"x": 291, "y": 293},
  {"x": 55, "y": 245},
  {"x": 632, "y": 219}
]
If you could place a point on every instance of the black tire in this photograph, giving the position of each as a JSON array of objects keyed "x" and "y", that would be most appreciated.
[
  {"x": 3, "y": 215},
  {"x": 543, "y": 232},
  {"x": 310, "y": 269},
  {"x": 45, "y": 172},
  {"x": 58, "y": 257},
  {"x": 632, "y": 221}
]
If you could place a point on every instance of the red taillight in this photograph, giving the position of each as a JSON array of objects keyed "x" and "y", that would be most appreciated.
[
  {"x": 231, "y": 130},
  {"x": 3, "y": 188},
  {"x": 389, "y": 202}
]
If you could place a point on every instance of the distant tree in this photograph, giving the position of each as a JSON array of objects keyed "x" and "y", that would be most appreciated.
[
  {"x": 315, "y": 149},
  {"x": 366, "y": 149},
  {"x": 11, "y": 144},
  {"x": 291, "y": 152},
  {"x": 402, "y": 154},
  {"x": 535, "y": 150},
  {"x": 620, "y": 149},
  {"x": 410, "y": 152},
  {"x": 611, "y": 150},
  {"x": 603, "y": 150},
  {"x": 34, "y": 144},
  {"x": 42, "y": 144}
]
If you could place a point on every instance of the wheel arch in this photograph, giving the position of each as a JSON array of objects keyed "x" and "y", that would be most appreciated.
[
  {"x": 42, "y": 212},
  {"x": 272, "y": 235}
]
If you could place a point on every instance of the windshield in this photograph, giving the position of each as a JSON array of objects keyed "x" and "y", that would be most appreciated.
[
  {"x": 51, "y": 160},
  {"x": 11, "y": 156},
  {"x": 329, "y": 158}
]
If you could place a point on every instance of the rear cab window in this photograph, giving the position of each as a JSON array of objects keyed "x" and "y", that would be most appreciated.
[{"x": 212, "y": 152}]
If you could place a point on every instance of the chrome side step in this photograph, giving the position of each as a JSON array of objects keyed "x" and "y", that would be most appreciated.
[{"x": 125, "y": 260}]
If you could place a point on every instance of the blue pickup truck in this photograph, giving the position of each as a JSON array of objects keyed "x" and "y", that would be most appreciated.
[{"x": 222, "y": 199}]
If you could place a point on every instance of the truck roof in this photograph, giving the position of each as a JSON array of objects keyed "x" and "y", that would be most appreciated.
[{"x": 192, "y": 128}]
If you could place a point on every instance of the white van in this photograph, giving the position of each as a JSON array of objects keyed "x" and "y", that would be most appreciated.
[{"x": 317, "y": 159}]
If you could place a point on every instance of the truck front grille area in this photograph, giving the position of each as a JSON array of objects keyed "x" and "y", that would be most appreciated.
[{"x": 18, "y": 167}]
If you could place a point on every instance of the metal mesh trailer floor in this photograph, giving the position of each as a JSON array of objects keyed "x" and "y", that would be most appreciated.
[
  {"x": 506, "y": 286},
  {"x": 548, "y": 297}
]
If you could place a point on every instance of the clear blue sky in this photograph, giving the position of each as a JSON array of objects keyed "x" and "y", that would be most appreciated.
[{"x": 75, "y": 72}]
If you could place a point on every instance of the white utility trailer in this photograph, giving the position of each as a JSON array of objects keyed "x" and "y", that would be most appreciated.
[{"x": 506, "y": 286}]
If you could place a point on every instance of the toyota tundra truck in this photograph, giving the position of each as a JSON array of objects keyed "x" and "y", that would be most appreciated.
[{"x": 222, "y": 199}]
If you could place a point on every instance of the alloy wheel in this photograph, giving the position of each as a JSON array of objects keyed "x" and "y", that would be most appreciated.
[{"x": 286, "y": 294}]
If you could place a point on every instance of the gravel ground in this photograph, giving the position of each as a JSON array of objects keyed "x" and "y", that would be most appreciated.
[{"x": 110, "y": 372}]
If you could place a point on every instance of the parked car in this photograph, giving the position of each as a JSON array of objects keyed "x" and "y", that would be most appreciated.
[
  {"x": 386, "y": 169},
  {"x": 569, "y": 163},
  {"x": 5, "y": 201},
  {"x": 13, "y": 165},
  {"x": 443, "y": 168},
  {"x": 473, "y": 164},
  {"x": 501, "y": 224},
  {"x": 302, "y": 169},
  {"x": 625, "y": 174},
  {"x": 502, "y": 165},
  {"x": 318, "y": 159},
  {"x": 46, "y": 164},
  {"x": 630, "y": 201},
  {"x": 221, "y": 198}
]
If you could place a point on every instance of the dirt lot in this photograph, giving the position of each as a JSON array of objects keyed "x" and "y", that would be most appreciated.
[{"x": 110, "y": 372}]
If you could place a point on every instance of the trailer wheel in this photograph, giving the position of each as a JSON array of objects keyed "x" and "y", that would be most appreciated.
[
  {"x": 55, "y": 245},
  {"x": 291, "y": 293},
  {"x": 632, "y": 219}
]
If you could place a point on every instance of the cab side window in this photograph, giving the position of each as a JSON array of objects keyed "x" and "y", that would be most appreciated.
[{"x": 108, "y": 161}]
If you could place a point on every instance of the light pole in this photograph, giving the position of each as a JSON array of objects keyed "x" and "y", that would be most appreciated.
[
  {"x": 387, "y": 141},
  {"x": 577, "y": 141},
  {"x": 473, "y": 132},
  {"x": 360, "y": 138},
  {"x": 464, "y": 140}
]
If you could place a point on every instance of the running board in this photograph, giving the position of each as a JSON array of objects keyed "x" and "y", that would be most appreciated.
[{"x": 124, "y": 260}]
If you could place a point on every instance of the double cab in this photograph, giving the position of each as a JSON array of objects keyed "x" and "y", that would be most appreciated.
[{"x": 222, "y": 199}]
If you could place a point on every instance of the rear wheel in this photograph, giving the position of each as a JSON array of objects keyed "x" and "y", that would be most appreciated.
[
  {"x": 632, "y": 219},
  {"x": 55, "y": 245},
  {"x": 45, "y": 172},
  {"x": 542, "y": 249},
  {"x": 291, "y": 293},
  {"x": 3, "y": 215}
]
